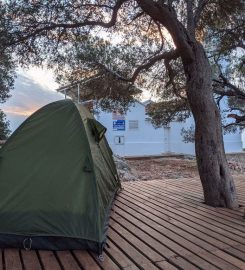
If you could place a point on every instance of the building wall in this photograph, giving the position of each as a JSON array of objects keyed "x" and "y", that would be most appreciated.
[
  {"x": 243, "y": 139},
  {"x": 177, "y": 144},
  {"x": 233, "y": 142},
  {"x": 146, "y": 140}
]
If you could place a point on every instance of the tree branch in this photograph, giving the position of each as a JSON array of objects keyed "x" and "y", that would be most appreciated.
[
  {"x": 233, "y": 90},
  {"x": 161, "y": 13},
  {"x": 51, "y": 26},
  {"x": 138, "y": 15},
  {"x": 190, "y": 19},
  {"x": 200, "y": 8},
  {"x": 172, "y": 74},
  {"x": 234, "y": 124},
  {"x": 166, "y": 55},
  {"x": 232, "y": 86},
  {"x": 238, "y": 118},
  {"x": 237, "y": 109},
  {"x": 161, "y": 46}
]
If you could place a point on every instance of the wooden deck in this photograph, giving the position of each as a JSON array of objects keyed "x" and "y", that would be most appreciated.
[{"x": 155, "y": 225}]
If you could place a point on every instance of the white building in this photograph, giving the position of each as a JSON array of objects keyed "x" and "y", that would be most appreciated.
[
  {"x": 243, "y": 139},
  {"x": 133, "y": 134}
]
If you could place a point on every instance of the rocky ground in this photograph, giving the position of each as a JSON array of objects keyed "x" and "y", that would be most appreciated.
[{"x": 170, "y": 167}]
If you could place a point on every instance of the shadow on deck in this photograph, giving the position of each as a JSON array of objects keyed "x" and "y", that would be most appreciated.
[{"x": 160, "y": 224}]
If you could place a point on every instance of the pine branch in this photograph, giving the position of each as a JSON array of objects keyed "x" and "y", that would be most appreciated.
[
  {"x": 51, "y": 25},
  {"x": 170, "y": 55},
  {"x": 201, "y": 5}
]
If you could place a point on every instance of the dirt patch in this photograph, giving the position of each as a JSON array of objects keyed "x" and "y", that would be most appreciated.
[
  {"x": 164, "y": 168},
  {"x": 175, "y": 168},
  {"x": 237, "y": 163}
]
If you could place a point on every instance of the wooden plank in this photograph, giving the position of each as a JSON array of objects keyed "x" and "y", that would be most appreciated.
[
  {"x": 166, "y": 266},
  {"x": 191, "y": 233},
  {"x": 238, "y": 221},
  {"x": 107, "y": 262},
  {"x": 12, "y": 259},
  {"x": 135, "y": 255},
  {"x": 121, "y": 258},
  {"x": 183, "y": 264},
  {"x": 174, "y": 214},
  {"x": 146, "y": 238},
  {"x": 180, "y": 186},
  {"x": 188, "y": 213},
  {"x": 213, "y": 217},
  {"x": 200, "y": 226},
  {"x": 238, "y": 263},
  {"x": 86, "y": 260},
  {"x": 1, "y": 260},
  {"x": 49, "y": 260},
  {"x": 148, "y": 252},
  {"x": 67, "y": 260},
  {"x": 180, "y": 250},
  {"x": 156, "y": 240},
  {"x": 155, "y": 234},
  {"x": 221, "y": 212},
  {"x": 238, "y": 251},
  {"x": 207, "y": 257},
  {"x": 224, "y": 213},
  {"x": 30, "y": 260}
]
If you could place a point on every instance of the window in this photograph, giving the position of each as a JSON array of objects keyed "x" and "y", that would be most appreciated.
[{"x": 133, "y": 124}]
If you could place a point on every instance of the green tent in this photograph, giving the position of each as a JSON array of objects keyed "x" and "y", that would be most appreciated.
[{"x": 57, "y": 181}]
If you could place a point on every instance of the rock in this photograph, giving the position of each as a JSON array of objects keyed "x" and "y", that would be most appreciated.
[
  {"x": 124, "y": 171},
  {"x": 121, "y": 163}
]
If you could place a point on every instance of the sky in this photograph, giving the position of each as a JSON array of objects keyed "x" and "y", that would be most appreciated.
[{"x": 33, "y": 89}]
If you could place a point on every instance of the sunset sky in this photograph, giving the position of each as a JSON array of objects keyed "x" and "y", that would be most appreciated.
[{"x": 33, "y": 89}]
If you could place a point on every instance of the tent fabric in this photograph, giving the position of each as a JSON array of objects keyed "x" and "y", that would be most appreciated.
[{"x": 57, "y": 181}]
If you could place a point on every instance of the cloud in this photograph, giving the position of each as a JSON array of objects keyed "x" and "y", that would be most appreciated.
[
  {"x": 42, "y": 76},
  {"x": 28, "y": 96}
]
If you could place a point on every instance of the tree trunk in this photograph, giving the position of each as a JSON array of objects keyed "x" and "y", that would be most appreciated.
[
  {"x": 218, "y": 184},
  {"x": 217, "y": 181}
]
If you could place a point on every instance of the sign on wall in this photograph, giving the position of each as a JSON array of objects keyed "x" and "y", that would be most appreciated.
[
  {"x": 116, "y": 115},
  {"x": 119, "y": 125}
]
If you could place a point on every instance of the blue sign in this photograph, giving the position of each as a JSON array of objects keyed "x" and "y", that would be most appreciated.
[{"x": 119, "y": 125}]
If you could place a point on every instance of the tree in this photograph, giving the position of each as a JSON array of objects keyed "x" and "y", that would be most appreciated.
[
  {"x": 157, "y": 35},
  {"x": 225, "y": 49},
  {"x": 6, "y": 63},
  {"x": 6, "y": 74},
  {"x": 228, "y": 58},
  {"x": 4, "y": 127}
]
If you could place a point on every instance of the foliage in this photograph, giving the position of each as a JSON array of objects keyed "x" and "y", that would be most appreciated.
[
  {"x": 6, "y": 62},
  {"x": 188, "y": 134},
  {"x": 4, "y": 126},
  {"x": 226, "y": 36},
  {"x": 162, "y": 113},
  {"x": 63, "y": 34}
]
